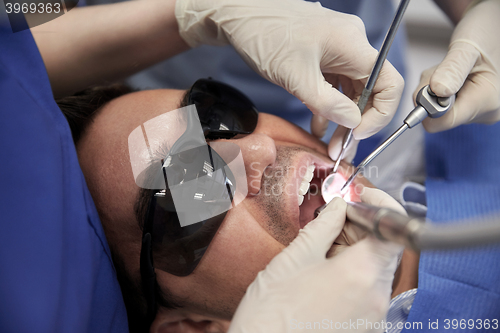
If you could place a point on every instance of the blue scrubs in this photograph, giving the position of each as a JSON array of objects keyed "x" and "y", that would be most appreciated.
[
  {"x": 463, "y": 182},
  {"x": 56, "y": 269}
]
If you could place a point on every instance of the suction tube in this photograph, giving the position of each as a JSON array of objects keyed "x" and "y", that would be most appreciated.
[{"x": 419, "y": 233}]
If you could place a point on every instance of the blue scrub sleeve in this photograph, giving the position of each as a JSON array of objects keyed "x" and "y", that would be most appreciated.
[{"x": 56, "y": 269}]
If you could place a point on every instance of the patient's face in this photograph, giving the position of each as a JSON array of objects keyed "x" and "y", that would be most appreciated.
[{"x": 276, "y": 157}]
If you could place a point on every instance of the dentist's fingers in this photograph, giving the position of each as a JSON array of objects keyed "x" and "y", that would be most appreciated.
[
  {"x": 384, "y": 103},
  {"x": 384, "y": 257},
  {"x": 323, "y": 99},
  {"x": 319, "y": 125},
  {"x": 379, "y": 198},
  {"x": 470, "y": 106},
  {"x": 311, "y": 244},
  {"x": 425, "y": 77},
  {"x": 335, "y": 145},
  {"x": 470, "y": 70},
  {"x": 450, "y": 75}
]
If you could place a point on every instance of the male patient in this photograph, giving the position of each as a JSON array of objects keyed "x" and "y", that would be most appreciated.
[{"x": 277, "y": 155}]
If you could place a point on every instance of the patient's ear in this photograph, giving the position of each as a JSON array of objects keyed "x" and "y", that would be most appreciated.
[{"x": 179, "y": 321}]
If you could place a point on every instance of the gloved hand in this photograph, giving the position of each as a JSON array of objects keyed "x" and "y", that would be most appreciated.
[
  {"x": 301, "y": 285},
  {"x": 351, "y": 234},
  {"x": 304, "y": 48},
  {"x": 335, "y": 145},
  {"x": 471, "y": 68}
]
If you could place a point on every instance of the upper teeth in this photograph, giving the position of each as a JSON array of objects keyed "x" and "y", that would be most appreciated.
[{"x": 305, "y": 183}]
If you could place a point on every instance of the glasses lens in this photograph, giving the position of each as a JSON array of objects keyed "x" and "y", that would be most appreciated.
[
  {"x": 223, "y": 110},
  {"x": 187, "y": 215}
]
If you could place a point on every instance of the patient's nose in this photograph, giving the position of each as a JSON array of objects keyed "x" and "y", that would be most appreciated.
[{"x": 259, "y": 151}]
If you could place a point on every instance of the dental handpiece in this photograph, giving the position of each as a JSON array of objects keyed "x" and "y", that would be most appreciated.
[
  {"x": 428, "y": 105},
  {"x": 419, "y": 233}
]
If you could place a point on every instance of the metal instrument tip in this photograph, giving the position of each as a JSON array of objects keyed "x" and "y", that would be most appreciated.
[
  {"x": 336, "y": 166},
  {"x": 344, "y": 188}
]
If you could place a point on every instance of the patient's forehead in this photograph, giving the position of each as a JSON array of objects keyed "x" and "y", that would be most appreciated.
[{"x": 130, "y": 111}]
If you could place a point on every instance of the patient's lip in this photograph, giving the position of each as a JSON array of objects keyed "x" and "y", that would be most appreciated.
[{"x": 322, "y": 164}]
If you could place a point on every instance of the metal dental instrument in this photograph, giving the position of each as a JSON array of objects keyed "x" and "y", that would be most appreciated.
[
  {"x": 428, "y": 104},
  {"x": 365, "y": 95},
  {"x": 419, "y": 233},
  {"x": 367, "y": 91}
]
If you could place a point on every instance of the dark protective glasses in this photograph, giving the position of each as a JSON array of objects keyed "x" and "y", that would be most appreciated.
[{"x": 199, "y": 187}]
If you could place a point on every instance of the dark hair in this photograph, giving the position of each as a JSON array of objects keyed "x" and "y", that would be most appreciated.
[{"x": 80, "y": 110}]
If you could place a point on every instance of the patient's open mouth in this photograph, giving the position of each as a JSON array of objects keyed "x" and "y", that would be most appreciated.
[{"x": 310, "y": 193}]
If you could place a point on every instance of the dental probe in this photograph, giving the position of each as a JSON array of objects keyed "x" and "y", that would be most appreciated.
[
  {"x": 419, "y": 233},
  {"x": 428, "y": 104},
  {"x": 367, "y": 91}
]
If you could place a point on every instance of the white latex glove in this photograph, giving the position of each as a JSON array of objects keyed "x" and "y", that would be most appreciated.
[
  {"x": 351, "y": 234},
  {"x": 471, "y": 68},
  {"x": 335, "y": 145},
  {"x": 302, "y": 285},
  {"x": 297, "y": 44}
]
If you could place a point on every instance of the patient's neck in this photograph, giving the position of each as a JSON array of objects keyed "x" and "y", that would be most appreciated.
[{"x": 406, "y": 276}]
